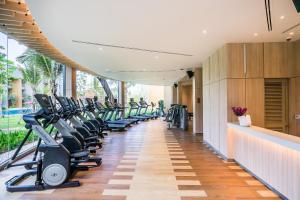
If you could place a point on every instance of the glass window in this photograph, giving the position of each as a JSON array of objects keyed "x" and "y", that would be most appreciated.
[
  {"x": 4, "y": 121},
  {"x": 150, "y": 93},
  {"x": 23, "y": 72},
  {"x": 114, "y": 87},
  {"x": 88, "y": 85}
]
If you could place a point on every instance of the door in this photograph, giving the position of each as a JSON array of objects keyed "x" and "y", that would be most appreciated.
[{"x": 276, "y": 104}]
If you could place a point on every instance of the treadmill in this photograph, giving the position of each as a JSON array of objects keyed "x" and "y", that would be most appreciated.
[
  {"x": 134, "y": 107},
  {"x": 91, "y": 106},
  {"x": 154, "y": 110},
  {"x": 92, "y": 123},
  {"x": 144, "y": 105},
  {"x": 120, "y": 113},
  {"x": 113, "y": 111}
]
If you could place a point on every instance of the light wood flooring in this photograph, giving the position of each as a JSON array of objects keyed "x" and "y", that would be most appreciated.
[{"x": 149, "y": 162}]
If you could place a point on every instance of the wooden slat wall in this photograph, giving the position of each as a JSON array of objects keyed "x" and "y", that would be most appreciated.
[
  {"x": 74, "y": 89},
  {"x": 276, "y": 99},
  {"x": 235, "y": 60},
  {"x": 276, "y": 60},
  {"x": 255, "y": 60},
  {"x": 243, "y": 83},
  {"x": 186, "y": 94},
  {"x": 255, "y": 100},
  {"x": 17, "y": 22}
]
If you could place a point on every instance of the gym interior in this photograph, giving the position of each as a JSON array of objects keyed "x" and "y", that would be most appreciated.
[{"x": 153, "y": 100}]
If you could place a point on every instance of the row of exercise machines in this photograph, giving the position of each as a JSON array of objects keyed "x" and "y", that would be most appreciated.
[{"x": 69, "y": 135}]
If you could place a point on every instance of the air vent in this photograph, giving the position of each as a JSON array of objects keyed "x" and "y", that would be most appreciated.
[{"x": 130, "y": 48}]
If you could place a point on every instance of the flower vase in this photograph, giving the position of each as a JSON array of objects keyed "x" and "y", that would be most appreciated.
[{"x": 245, "y": 120}]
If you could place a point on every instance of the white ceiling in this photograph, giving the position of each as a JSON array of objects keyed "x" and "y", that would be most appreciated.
[{"x": 162, "y": 25}]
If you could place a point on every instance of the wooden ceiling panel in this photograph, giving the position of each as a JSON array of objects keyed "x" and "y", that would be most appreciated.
[
  {"x": 16, "y": 17},
  {"x": 6, "y": 12},
  {"x": 5, "y": 22},
  {"x": 14, "y": 6},
  {"x": 23, "y": 26},
  {"x": 17, "y": 22}
]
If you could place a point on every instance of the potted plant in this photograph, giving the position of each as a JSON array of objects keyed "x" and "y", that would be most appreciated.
[{"x": 244, "y": 120}]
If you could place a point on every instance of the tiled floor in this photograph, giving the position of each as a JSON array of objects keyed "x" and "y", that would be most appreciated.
[{"x": 150, "y": 162}]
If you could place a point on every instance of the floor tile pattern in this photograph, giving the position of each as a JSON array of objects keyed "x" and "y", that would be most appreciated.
[{"x": 149, "y": 162}]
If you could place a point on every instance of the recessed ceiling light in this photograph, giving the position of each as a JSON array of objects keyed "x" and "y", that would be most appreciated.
[
  {"x": 291, "y": 33},
  {"x": 255, "y": 34},
  {"x": 282, "y": 17},
  {"x": 204, "y": 32},
  {"x": 156, "y": 57},
  {"x": 100, "y": 48}
]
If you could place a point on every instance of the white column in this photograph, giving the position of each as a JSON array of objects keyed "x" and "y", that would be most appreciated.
[
  {"x": 68, "y": 81},
  {"x": 168, "y": 96}
]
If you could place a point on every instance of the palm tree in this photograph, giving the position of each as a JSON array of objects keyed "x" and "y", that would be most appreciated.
[
  {"x": 31, "y": 72},
  {"x": 32, "y": 76},
  {"x": 49, "y": 68}
]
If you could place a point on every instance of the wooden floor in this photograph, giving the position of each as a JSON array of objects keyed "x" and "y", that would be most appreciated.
[{"x": 149, "y": 162}]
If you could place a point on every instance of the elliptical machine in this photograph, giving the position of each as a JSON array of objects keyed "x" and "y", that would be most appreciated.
[
  {"x": 90, "y": 137},
  {"x": 72, "y": 140},
  {"x": 177, "y": 116},
  {"x": 52, "y": 168}
]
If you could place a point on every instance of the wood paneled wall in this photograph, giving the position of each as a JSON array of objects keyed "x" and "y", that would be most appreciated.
[
  {"x": 294, "y": 91},
  {"x": 234, "y": 76},
  {"x": 174, "y": 95},
  {"x": 186, "y": 94},
  {"x": 197, "y": 101},
  {"x": 74, "y": 89}
]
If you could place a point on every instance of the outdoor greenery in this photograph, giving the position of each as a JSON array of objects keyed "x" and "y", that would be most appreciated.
[
  {"x": 12, "y": 100},
  {"x": 37, "y": 69},
  {"x": 81, "y": 79},
  {"x": 12, "y": 122},
  {"x": 13, "y": 139},
  {"x": 98, "y": 89},
  {"x": 7, "y": 68}
]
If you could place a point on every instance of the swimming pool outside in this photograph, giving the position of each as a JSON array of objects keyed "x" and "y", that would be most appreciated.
[{"x": 16, "y": 111}]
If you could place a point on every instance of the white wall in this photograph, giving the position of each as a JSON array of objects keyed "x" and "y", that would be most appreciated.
[{"x": 168, "y": 96}]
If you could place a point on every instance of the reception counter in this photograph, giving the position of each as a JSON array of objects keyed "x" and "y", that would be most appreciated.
[{"x": 271, "y": 156}]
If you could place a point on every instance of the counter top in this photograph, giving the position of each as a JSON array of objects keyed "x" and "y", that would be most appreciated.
[{"x": 290, "y": 141}]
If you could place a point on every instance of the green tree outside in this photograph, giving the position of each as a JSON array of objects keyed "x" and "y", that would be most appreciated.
[{"x": 7, "y": 68}]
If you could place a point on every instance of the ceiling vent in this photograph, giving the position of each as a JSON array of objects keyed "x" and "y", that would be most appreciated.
[{"x": 130, "y": 48}]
